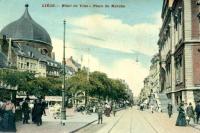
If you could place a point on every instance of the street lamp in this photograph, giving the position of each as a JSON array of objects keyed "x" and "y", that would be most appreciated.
[{"x": 63, "y": 110}]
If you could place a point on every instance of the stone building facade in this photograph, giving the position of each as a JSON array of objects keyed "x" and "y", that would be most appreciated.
[
  {"x": 151, "y": 82},
  {"x": 179, "y": 50}
]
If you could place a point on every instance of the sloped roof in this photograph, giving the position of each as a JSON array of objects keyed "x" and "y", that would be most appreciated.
[{"x": 29, "y": 52}]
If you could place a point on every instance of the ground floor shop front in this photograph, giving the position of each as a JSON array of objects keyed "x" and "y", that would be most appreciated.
[{"x": 188, "y": 96}]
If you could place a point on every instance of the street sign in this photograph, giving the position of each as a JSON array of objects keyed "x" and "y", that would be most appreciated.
[{"x": 54, "y": 98}]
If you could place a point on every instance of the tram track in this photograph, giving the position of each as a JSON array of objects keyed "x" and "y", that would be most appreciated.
[
  {"x": 141, "y": 118},
  {"x": 131, "y": 121},
  {"x": 134, "y": 121},
  {"x": 131, "y": 127},
  {"x": 114, "y": 125},
  {"x": 154, "y": 129}
]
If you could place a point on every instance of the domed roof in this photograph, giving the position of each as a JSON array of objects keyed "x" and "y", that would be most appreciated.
[{"x": 25, "y": 28}]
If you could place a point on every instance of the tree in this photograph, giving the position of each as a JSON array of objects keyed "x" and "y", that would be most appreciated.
[
  {"x": 42, "y": 86},
  {"x": 100, "y": 84},
  {"x": 79, "y": 82}
]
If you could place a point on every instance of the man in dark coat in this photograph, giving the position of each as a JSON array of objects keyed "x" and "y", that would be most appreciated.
[
  {"x": 25, "y": 111},
  {"x": 197, "y": 110},
  {"x": 33, "y": 112},
  {"x": 38, "y": 113},
  {"x": 169, "y": 108}
]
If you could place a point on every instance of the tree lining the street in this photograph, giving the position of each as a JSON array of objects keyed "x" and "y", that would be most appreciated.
[
  {"x": 27, "y": 82},
  {"x": 95, "y": 84}
]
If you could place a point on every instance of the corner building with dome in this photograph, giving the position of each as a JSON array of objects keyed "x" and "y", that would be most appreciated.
[{"x": 27, "y": 46}]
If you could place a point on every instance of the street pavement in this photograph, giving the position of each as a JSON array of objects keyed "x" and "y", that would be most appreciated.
[
  {"x": 129, "y": 120},
  {"x": 136, "y": 121},
  {"x": 74, "y": 122}
]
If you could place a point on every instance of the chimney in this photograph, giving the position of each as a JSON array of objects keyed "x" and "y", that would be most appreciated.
[
  {"x": 9, "y": 51},
  {"x": 53, "y": 55}
]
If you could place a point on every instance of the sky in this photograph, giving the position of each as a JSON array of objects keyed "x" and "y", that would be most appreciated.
[{"x": 108, "y": 39}]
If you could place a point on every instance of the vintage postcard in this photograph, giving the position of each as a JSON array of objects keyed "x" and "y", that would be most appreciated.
[{"x": 100, "y": 66}]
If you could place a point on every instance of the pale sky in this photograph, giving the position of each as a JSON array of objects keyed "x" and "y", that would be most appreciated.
[{"x": 116, "y": 37}]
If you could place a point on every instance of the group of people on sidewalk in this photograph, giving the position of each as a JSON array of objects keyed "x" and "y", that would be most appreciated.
[
  {"x": 105, "y": 109},
  {"x": 186, "y": 113},
  {"x": 37, "y": 111},
  {"x": 7, "y": 114}
]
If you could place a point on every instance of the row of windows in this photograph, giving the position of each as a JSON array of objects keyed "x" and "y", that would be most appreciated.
[
  {"x": 177, "y": 19},
  {"x": 52, "y": 64},
  {"x": 43, "y": 66},
  {"x": 26, "y": 65},
  {"x": 178, "y": 71},
  {"x": 55, "y": 73},
  {"x": 42, "y": 74}
]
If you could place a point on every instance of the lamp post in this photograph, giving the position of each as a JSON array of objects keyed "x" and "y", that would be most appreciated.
[{"x": 63, "y": 109}]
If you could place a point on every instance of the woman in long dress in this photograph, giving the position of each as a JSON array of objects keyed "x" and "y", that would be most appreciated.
[
  {"x": 181, "y": 119},
  {"x": 8, "y": 121}
]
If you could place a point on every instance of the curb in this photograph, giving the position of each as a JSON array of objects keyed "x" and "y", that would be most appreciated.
[{"x": 74, "y": 131}]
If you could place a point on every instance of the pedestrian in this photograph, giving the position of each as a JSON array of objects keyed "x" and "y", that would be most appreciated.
[
  {"x": 38, "y": 112},
  {"x": 151, "y": 107},
  {"x": 1, "y": 113},
  {"x": 190, "y": 113},
  {"x": 107, "y": 110},
  {"x": 33, "y": 112},
  {"x": 8, "y": 121},
  {"x": 114, "y": 109},
  {"x": 100, "y": 113},
  {"x": 181, "y": 119},
  {"x": 197, "y": 110},
  {"x": 43, "y": 107},
  {"x": 94, "y": 109},
  {"x": 25, "y": 111},
  {"x": 141, "y": 106},
  {"x": 170, "y": 108}
]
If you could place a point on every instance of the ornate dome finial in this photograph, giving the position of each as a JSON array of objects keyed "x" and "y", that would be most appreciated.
[{"x": 26, "y": 5}]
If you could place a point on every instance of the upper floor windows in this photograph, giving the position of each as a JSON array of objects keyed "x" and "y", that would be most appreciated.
[
  {"x": 179, "y": 69},
  {"x": 177, "y": 15}
]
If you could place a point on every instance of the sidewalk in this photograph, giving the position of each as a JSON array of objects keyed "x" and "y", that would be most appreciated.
[
  {"x": 174, "y": 117},
  {"x": 74, "y": 122}
]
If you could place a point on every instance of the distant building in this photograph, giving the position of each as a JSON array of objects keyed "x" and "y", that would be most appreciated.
[
  {"x": 72, "y": 64},
  {"x": 154, "y": 74},
  {"x": 145, "y": 91},
  {"x": 151, "y": 82}
]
